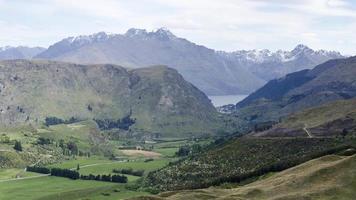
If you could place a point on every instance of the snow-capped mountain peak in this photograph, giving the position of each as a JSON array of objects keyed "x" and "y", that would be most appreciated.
[
  {"x": 160, "y": 33},
  {"x": 86, "y": 39},
  {"x": 5, "y": 48},
  {"x": 264, "y": 55},
  {"x": 132, "y": 32}
]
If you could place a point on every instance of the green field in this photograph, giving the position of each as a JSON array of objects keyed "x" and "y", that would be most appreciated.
[
  {"x": 55, "y": 188},
  {"x": 13, "y": 173},
  {"x": 100, "y": 166}
]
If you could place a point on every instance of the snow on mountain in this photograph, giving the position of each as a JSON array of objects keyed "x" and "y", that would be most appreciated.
[
  {"x": 265, "y": 55},
  {"x": 214, "y": 72}
]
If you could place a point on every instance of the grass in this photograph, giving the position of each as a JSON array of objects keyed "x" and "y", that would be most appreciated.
[
  {"x": 98, "y": 165},
  {"x": 56, "y": 188},
  {"x": 327, "y": 178},
  {"x": 168, "y": 152},
  {"x": 13, "y": 173},
  {"x": 240, "y": 159}
]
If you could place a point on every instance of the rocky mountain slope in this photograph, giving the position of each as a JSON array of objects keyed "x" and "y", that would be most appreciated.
[
  {"x": 158, "y": 99},
  {"x": 215, "y": 73},
  {"x": 330, "y": 81},
  {"x": 20, "y": 52}
]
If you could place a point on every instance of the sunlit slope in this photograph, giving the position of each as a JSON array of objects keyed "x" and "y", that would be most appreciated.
[{"x": 327, "y": 178}]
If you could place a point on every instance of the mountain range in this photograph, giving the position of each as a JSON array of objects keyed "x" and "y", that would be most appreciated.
[
  {"x": 327, "y": 82},
  {"x": 20, "y": 52},
  {"x": 213, "y": 72}
]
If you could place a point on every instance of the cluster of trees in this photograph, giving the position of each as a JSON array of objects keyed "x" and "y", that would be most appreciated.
[
  {"x": 55, "y": 120},
  {"x": 44, "y": 141},
  {"x": 129, "y": 171},
  {"x": 71, "y": 148},
  {"x": 187, "y": 149},
  {"x": 65, "y": 173},
  {"x": 41, "y": 170},
  {"x": 107, "y": 124},
  {"x": 264, "y": 126},
  {"x": 107, "y": 178},
  {"x": 280, "y": 165}
]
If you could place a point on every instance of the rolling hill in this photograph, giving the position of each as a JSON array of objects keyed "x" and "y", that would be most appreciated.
[
  {"x": 328, "y": 82},
  {"x": 328, "y": 177},
  {"x": 240, "y": 159},
  {"x": 157, "y": 99},
  {"x": 331, "y": 119}
]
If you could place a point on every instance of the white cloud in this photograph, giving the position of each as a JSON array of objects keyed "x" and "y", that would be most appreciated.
[{"x": 223, "y": 24}]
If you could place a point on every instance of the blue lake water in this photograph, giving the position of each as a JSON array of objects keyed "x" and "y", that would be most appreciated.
[{"x": 226, "y": 99}]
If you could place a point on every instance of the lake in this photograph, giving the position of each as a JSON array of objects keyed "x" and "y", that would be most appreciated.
[{"x": 226, "y": 99}]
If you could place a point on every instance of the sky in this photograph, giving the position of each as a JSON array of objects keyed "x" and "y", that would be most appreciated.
[{"x": 219, "y": 24}]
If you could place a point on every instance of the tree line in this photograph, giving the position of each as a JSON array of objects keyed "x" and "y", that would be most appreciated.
[
  {"x": 107, "y": 124},
  {"x": 55, "y": 120},
  {"x": 74, "y": 175},
  {"x": 129, "y": 171}
]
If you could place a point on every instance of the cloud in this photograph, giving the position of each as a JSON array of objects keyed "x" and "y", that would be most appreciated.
[{"x": 223, "y": 24}]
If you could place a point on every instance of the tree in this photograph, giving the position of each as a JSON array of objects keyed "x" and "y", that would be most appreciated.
[
  {"x": 72, "y": 147},
  {"x": 344, "y": 132},
  {"x": 18, "y": 146},
  {"x": 183, "y": 150}
]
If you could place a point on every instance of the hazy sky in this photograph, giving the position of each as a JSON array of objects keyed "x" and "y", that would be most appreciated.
[{"x": 219, "y": 24}]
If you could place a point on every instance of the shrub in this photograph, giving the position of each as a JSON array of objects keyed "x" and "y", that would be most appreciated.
[
  {"x": 41, "y": 170},
  {"x": 18, "y": 146}
]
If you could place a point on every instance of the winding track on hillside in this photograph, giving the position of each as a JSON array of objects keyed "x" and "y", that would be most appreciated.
[{"x": 306, "y": 130}]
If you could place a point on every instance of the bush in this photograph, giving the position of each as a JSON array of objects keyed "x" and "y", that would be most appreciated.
[
  {"x": 41, "y": 170},
  {"x": 119, "y": 179},
  {"x": 43, "y": 141},
  {"x": 65, "y": 173},
  {"x": 18, "y": 146},
  {"x": 129, "y": 171}
]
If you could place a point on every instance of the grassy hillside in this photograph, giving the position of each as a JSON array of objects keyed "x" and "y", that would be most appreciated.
[
  {"x": 326, "y": 178},
  {"x": 328, "y": 82},
  {"x": 157, "y": 98},
  {"x": 240, "y": 159},
  {"x": 332, "y": 119},
  {"x": 56, "y": 188}
]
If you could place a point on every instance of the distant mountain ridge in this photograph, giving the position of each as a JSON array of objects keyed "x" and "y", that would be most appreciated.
[
  {"x": 327, "y": 82},
  {"x": 214, "y": 72},
  {"x": 20, "y": 52}
]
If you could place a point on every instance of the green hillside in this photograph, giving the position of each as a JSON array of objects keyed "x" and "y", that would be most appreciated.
[
  {"x": 327, "y": 82},
  {"x": 326, "y": 178},
  {"x": 332, "y": 119},
  {"x": 240, "y": 159},
  {"x": 157, "y": 99}
]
